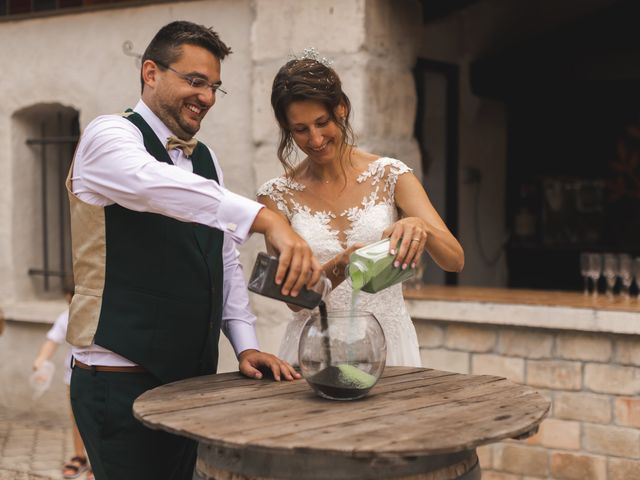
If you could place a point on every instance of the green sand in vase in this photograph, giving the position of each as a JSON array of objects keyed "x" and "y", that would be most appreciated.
[{"x": 342, "y": 381}]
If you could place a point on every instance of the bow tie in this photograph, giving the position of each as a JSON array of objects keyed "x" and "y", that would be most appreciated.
[{"x": 186, "y": 146}]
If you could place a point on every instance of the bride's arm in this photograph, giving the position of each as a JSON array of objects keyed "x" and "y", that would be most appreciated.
[{"x": 421, "y": 228}]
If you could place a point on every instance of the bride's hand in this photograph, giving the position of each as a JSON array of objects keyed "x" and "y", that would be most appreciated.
[
  {"x": 413, "y": 232},
  {"x": 338, "y": 264}
]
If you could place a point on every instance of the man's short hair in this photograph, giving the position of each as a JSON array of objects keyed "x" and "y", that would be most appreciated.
[{"x": 165, "y": 47}]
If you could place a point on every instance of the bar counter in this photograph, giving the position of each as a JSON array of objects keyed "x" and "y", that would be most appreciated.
[{"x": 525, "y": 308}]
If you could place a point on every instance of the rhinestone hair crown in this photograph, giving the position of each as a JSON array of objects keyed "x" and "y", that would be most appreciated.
[{"x": 312, "y": 54}]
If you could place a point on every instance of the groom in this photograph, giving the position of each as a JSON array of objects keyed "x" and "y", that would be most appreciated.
[{"x": 156, "y": 269}]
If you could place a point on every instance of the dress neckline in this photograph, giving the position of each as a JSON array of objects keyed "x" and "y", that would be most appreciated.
[{"x": 362, "y": 176}]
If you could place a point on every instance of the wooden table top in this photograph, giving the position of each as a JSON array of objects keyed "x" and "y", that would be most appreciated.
[
  {"x": 410, "y": 411},
  {"x": 550, "y": 298}
]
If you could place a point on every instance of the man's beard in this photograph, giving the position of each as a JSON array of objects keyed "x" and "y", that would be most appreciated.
[{"x": 172, "y": 119}]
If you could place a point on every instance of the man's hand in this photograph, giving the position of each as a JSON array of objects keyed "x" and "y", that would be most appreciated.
[
  {"x": 296, "y": 259},
  {"x": 251, "y": 360}
]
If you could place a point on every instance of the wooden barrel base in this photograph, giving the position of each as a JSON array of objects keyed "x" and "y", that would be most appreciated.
[{"x": 219, "y": 463}]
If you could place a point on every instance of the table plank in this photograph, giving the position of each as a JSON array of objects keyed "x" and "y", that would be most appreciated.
[
  {"x": 409, "y": 411},
  {"x": 205, "y": 390},
  {"x": 314, "y": 411}
]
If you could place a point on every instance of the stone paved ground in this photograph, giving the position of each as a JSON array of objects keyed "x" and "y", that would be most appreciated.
[{"x": 33, "y": 448}]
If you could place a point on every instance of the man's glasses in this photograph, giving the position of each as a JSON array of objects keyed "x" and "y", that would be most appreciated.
[{"x": 197, "y": 82}]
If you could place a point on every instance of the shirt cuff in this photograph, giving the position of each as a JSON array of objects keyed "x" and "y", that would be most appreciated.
[
  {"x": 242, "y": 336},
  {"x": 236, "y": 215}
]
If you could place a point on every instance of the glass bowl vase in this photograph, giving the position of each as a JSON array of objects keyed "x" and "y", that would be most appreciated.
[{"x": 342, "y": 355}]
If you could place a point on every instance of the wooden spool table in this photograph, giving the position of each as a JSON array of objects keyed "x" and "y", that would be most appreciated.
[{"x": 415, "y": 424}]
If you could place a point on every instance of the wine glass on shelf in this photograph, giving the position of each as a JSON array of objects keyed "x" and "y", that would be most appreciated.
[
  {"x": 595, "y": 270},
  {"x": 625, "y": 272},
  {"x": 610, "y": 271},
  {"x": 635, "y": 269},
  {"x": 584, "y": 270}
]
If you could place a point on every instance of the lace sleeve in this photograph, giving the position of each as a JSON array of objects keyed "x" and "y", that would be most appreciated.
[
  {"x": 277, "y": 189},
  {"x": 393, "y": 169}
]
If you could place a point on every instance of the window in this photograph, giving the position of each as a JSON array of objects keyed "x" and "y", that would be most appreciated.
[{"x": 44, "y": 142}]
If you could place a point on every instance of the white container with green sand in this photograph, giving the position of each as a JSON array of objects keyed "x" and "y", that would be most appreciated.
[{"x": 371, "y": 268}]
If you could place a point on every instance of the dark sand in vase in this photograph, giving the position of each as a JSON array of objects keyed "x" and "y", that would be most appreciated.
[{"x": 324, "y": 327}]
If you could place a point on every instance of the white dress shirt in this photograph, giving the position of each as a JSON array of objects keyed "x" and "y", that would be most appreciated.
[{"x": 111, "y": 165}]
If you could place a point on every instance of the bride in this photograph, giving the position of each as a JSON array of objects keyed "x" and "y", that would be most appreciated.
[{"x": 340, "y": 198}]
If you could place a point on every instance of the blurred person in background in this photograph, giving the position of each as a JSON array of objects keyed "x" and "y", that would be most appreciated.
[{"x": 78, "y": 464}]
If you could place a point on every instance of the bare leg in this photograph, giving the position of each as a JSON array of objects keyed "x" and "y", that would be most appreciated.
[
  {"x": 78, "y": 444},
  {"x": 74, "y": 466}
]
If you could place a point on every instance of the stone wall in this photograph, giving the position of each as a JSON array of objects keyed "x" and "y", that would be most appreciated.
[{"x": 592, "y": 380}]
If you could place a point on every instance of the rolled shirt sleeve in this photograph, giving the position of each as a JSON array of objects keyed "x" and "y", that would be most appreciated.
[
  {"x": 112, "y": 166},
  {"x": 238, "y": 322}
]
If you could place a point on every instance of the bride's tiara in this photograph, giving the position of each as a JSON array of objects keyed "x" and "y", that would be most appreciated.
[{"x": 311, "y": 53}]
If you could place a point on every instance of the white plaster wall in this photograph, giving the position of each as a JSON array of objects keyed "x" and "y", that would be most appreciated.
[
  {"x": 77, "y": 61},
  {"x": 85, "y": 69}
]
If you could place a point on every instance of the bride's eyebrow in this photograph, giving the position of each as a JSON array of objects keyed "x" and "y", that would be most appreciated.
[{"x": 320, "y": 119}]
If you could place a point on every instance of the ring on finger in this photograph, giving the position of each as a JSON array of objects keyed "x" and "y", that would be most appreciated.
[{"x": 415, "y": 239}]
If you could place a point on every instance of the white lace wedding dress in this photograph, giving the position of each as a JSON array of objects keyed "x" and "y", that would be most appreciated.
[{"x": 328, "y": 234}]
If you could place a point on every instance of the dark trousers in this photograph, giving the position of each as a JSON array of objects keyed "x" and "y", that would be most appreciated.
[{"x": 119, "y": 446}]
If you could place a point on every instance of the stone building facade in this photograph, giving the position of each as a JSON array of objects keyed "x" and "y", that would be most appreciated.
[{"x": 62, "y": 70}]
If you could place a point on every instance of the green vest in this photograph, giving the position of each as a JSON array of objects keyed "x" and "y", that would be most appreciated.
[{"x": 162, "y": 298}]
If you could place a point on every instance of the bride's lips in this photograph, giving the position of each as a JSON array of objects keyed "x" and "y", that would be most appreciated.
[{"x": 320, "y": 149}]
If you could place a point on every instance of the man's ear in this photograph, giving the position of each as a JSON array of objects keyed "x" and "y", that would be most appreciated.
[{"x": 150, "y": 73}]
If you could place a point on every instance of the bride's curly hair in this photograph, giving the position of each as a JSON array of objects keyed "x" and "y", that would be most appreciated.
[{"x": 308, "y": 79}]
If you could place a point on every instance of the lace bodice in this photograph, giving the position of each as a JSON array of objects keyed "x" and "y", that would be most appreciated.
[{"x": 328, "y": 233}]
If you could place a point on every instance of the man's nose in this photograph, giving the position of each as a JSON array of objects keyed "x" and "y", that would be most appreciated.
[{"x": 207, "y": 96}]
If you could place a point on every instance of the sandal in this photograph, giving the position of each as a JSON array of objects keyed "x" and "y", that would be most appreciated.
[{"x": 76, "y": 467}]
